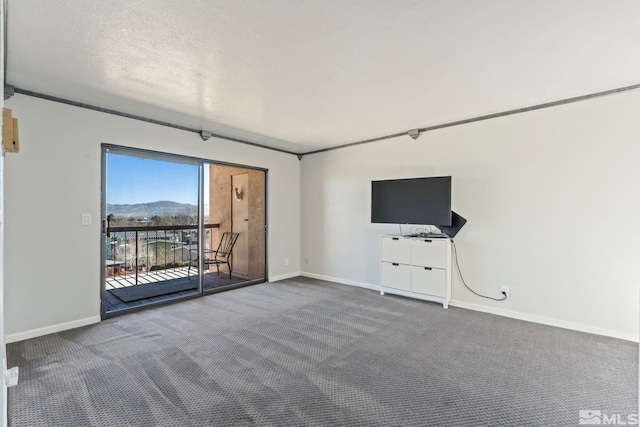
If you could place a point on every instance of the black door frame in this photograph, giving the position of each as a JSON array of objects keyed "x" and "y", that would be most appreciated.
[{"x": 105, "y": 149}]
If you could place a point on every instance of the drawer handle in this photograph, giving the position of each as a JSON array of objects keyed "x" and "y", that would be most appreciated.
[
  {"x": 428, "y": 268},
  {"x": 395, "y": 264},
  {"x": 395, "y": 238},
  {"x": 427, "y": 240}
]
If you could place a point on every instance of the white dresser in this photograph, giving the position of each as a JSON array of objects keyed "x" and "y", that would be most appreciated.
[{"x": 416, "y": 267}]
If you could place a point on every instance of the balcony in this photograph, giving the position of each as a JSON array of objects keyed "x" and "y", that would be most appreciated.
[{"x": 152, "y": 264}]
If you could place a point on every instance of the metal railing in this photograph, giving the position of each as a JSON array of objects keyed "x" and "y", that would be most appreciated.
[{"x": 131, "y": 250}]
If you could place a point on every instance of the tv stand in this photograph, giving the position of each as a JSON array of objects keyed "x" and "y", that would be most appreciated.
[{"x": 416, "y": 267}]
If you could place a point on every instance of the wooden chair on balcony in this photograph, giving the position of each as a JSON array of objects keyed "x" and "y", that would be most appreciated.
[{"x": 222, "y": 255}]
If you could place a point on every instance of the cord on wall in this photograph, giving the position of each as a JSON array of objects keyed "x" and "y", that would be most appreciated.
[{"x": 455, "y": 257}]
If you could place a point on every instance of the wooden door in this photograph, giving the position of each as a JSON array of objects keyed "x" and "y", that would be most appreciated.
[{"x": 240, "y": 223}]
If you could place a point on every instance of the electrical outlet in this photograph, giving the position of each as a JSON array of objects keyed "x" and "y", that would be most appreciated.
[
  {"x": 306, "y": 260},
  {"x": 11, "y": 376},
  {"x": 504, "y": 290},
  {"x": 286, "y": 261}
]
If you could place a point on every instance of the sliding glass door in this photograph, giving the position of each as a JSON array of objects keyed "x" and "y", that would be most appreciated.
[
  {"x": 177, "y": 227},
  {"x": 234, "y": 201},
  {"x": 150, "y": 228}
]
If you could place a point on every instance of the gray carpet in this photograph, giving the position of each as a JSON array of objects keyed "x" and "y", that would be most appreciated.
[{"x": 302, "y": 352}]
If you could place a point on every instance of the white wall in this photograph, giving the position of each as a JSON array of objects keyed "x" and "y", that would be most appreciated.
[
  {"x": 3, "y": 354},
  {"x": 551, "y": 201},
  {"x": 52, "y": 262},
  {"x": 550, "y": 198}
]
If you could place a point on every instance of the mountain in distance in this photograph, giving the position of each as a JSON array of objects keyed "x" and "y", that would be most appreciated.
[{"x": 148, "y": 210}]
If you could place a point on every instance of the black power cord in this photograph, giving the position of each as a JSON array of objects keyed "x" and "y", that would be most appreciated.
[{"x": 455, "y": 256}]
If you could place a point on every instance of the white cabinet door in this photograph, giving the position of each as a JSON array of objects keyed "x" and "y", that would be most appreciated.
[
  {"x": 429, "y": 253},
  {"x": 394, "y": 275},
  {"x": 429, "y": 281},
  {"x": 395, "y": 249}
]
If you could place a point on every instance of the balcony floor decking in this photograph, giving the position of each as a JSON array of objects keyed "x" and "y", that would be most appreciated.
[{"x": 172, "y": 275}]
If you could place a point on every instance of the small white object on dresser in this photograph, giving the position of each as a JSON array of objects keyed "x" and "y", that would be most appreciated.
[{"x": 416, "y": 267}]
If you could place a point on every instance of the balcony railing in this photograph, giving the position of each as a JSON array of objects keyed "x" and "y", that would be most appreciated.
[{"x": 131, "y": 251}]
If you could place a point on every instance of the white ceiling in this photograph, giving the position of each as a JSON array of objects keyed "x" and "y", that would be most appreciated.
[{"x": 308, "y": 74}]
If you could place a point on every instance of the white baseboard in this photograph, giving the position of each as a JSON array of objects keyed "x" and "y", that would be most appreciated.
[
  {"x": 341, "y": 281},
  {"x": 558, "y": 323},
  {"x": 499, "y": 311},
  {"x": 33, "y": 333},
  {"x": 284, "y": 276}
]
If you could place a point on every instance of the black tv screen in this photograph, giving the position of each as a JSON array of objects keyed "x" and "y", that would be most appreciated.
[{"x": 425, "y": 201}]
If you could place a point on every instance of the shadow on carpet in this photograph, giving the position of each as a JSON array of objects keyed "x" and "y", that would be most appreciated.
[{"x": 138, "y": 292}]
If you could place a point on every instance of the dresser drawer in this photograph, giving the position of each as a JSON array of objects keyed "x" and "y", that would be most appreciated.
[
  {"x": 429, "y": 281},
  {"x": 429, "y": 253},
  {"x": 395, "y": 249},
  {"x": 394, "y": 275}
]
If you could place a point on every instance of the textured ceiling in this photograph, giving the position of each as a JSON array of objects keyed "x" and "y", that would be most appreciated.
[{"x": 304, "y": 74}]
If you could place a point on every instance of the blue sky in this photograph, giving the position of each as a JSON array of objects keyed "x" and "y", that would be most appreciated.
[{"x": 133, "y": 180}]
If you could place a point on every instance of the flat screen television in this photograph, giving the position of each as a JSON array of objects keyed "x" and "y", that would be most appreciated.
[{"x": 424, "y": 201}]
